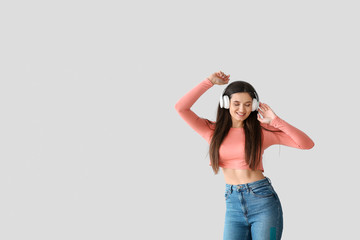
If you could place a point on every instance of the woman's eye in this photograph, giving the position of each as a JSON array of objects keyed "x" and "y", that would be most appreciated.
[{"x": 248, "y": 105}]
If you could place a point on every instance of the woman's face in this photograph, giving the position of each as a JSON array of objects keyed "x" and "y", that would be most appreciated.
[{"x": 240, "y": 107}]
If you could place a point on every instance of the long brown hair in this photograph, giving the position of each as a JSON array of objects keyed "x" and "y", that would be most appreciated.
[{"x": 252, "y": 129}]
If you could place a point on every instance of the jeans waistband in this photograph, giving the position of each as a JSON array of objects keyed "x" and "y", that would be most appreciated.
[{"x": 262, "y": 182}]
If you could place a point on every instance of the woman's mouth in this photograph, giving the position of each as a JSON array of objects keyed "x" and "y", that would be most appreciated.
[{"x": 240, "y": 114}]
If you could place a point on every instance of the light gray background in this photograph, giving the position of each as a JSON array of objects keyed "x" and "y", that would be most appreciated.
[{"x": 91, "y": 146}]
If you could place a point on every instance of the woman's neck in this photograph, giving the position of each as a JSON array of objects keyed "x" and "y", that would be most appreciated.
[{"x": 238, "y": 125}]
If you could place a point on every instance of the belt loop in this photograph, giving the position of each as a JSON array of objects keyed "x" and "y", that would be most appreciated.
[
  {"x": 268, "y": 180},
  {"x": 247, "y": 187},
  {"x": 231, "y": 188}
]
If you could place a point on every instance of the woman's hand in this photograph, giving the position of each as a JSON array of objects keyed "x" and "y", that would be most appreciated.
[
  {"x": 266, "y": 112},
  {"x": 219, "y": 78}
]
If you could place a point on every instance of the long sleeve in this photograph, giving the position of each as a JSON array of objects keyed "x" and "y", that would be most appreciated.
[
  {"x": 289, "y": 135},
  {"x": 184, "y": 104}
]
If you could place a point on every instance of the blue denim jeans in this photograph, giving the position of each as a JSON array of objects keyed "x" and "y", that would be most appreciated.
[{"x": 253, "y": 212}]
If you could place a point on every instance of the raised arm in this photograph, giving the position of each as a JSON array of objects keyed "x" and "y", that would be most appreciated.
[
  {"x": 184, "y": 104},
  {"x": 288, "y": 134}
]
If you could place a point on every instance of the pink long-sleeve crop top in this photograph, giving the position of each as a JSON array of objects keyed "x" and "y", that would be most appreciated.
[{"x": 232, "y": 149}]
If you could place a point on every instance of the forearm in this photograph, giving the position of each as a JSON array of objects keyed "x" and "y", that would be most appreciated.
[{"x": 298, "y": 137}]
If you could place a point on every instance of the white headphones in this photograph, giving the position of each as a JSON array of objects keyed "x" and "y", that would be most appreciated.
[{"x": 225, "y": 101}]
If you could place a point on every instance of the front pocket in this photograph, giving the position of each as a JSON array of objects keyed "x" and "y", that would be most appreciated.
[
  {"x": 262, "y": 191},
  {"x": 227, "y": 194}
]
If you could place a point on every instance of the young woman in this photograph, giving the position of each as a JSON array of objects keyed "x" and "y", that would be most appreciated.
[{"x": 244, "y": 128}]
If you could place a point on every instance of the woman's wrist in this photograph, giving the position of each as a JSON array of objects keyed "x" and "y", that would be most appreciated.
[
  {"x": 210, "y": 79},
  {"x": 274, "y": 120}
]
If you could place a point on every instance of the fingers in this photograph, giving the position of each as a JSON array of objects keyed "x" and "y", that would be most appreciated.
[
  {"x": 223, "y": 75},
  {"x": 264, "y": 106},
  {"x": 261, "y": 107},
  {"x": 260, "y": 111}
]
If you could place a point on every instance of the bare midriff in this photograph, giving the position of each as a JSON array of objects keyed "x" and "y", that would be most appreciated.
[{"x": 241, "y": 176}]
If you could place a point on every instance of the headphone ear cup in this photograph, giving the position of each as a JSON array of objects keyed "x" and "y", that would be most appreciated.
[
  {"x": 221, "y": 101},
  {"x": 226, "y": 102},
  {"x": 255, "y": 104}
]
